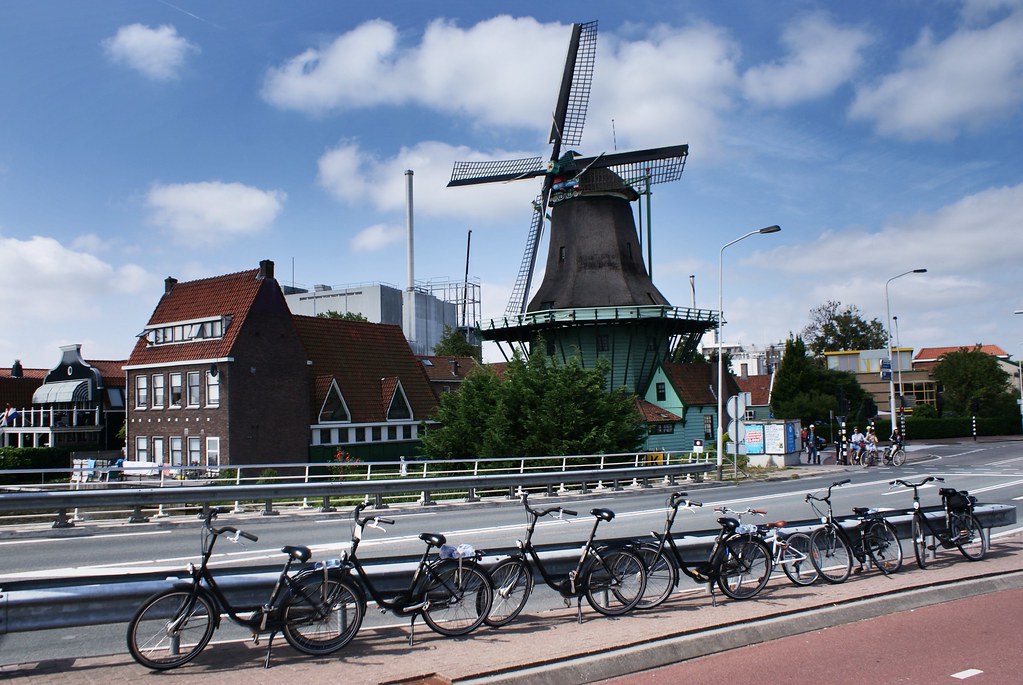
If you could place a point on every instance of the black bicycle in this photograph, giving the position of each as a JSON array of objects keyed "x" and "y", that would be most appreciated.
[
  {"x": 891, "y": 455},
  {"x": 962, "y": 529},
  {"x": 611, "y": 580},
  {"x": 318, "y": 610},
  {"x": 832, "y": 548},
  {"x": 453, "y": 595},
  {"x": 790, "y": 551},
  {"x": 739, "y": 562}
]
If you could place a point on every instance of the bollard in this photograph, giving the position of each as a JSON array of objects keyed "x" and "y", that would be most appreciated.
[
  {"x": 268, "y": 510},
  {"x": 325, "y": 507},
  {"x": 136, "y": 515},
  {"x": 62, "y": 520}
]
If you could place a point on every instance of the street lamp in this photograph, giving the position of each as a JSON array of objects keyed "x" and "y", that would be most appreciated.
[
  {"x": 721, "y": 323},
  {"x": 902, "y": 388},
  {"x": 888, "y": 314}
]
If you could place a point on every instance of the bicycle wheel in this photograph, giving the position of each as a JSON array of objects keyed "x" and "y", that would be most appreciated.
[
  {"x": 745, "y": 569},
  {"x": 513, "y": 583},
  {"x": 661, "y": 576},
  {"x": 322, "y": 615},
  {"x": 882, "y": 543},
  {"x": 830, "y": 554},
  {"x": 866, "y": 460},
  {"x": 171, "y": 628},
  {"x": 615, "y": 582},
  {"x": 971, "y": 540},
  {"x": 795, "y": 560},
  {"x": 458, "y": 598},
  {"x": 919, "y": 542},
  {"x": 899, "y": 457}
]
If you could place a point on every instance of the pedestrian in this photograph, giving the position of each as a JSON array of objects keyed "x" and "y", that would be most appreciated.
[
  {"x": 813, "y": 456},
  {"x": 803, "y": 444}
]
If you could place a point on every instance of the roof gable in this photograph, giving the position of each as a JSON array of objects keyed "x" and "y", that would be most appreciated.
[
  {"x": 932, "y": 354},
  {"x": 696, "y": 384},
  {"x": 372, "y": 363},
  {"x": 758, "y": 387}
]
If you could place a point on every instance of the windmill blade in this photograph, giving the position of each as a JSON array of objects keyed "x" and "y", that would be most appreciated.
[
  {"x": 520, "y": 292},
  {"x": 473, "y": 173},
  {"x": 662, "y": 164},
  {"x": 574, "y": 96}
]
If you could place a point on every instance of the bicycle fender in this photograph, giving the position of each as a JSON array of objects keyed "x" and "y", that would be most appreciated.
[
  {"x": 338, "y": 575},
  {"x": 200, "y": 590}
]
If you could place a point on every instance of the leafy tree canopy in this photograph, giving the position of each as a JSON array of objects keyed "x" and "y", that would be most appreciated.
[
  {"x": 833, "y": 328},
  {"x": 454, "y": 344},
  {"x": 347, "y": 316},
  {"x": 973, "y": 383},
  {"x": 805, "y": 390},
  {"x": 539, "y": 408}
]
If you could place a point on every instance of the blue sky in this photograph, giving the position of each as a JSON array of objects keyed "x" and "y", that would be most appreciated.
[{"x": 144, "y": 139}]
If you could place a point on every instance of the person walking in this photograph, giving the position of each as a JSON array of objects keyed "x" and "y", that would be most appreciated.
[{"x": 813, "y": 455}]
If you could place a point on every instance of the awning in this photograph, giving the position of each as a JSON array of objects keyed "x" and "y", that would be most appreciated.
[{"x": 62, "y": 391}]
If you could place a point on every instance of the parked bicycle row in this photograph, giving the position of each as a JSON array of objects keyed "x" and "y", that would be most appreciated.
[{"x": 320, "y": 608}]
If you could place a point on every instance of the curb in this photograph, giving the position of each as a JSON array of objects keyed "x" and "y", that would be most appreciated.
[{"x": 670, "y": 650}]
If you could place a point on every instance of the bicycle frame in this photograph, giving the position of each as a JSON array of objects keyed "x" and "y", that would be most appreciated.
[
  {"x": 827, "y": 518},
  {"x": 708, "y": 570},
  {"x": 944, "y": 537}
]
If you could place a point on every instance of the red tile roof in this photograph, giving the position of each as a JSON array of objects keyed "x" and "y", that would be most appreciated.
[
  {"x": 111, "y": 371},
  {"x": 654, "y": 414},
  {"x": 932, "y": 354},
  {"x": 366, "y": 359},
  {"x": 695, "y": 383},
  {"x": 230, "y": 295},
  {"x": 441, "y": 368},
  {"x": 759, "y": 388}
]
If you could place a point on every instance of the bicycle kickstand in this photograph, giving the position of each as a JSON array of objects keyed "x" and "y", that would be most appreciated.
[
  {"x": 713, "y": 597},
  {"x": 412, "y": 631},
  {"x": 269, "y": 646},
  {"x": 579, "y": 610}
]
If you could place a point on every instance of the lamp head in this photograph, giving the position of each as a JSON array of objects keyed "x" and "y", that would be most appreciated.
[
  {"x": 770, "y": 229},
  {"x": 919, "y": 271}
]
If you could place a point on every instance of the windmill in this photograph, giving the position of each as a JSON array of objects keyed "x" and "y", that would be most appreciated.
[{"x": 565, "y": 174}]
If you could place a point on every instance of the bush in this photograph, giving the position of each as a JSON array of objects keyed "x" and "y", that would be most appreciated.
[{"x": 33, "y": 458}]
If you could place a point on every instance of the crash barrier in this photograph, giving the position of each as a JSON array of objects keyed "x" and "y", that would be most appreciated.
[
  {"x": 154, "y": 498},
  {"x": 32, "y": 605}
]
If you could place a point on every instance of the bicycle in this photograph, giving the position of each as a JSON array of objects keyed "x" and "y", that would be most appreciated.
[
  {"x": 962, "y": 529},
  {"x": 832, "y": 549},
  {"x": 318, "y": 610},
  {"x": 612, "y": 581},
  {"x": 739, "y": 562},
  {"x": 887, "y": 457},
  {"x": 452, "y": 593},
  {"x": 790, "y": 551}
]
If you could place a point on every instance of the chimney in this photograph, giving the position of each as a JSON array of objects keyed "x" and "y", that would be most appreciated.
[
  {"x": 266, "y": 269},
  {"x": 168, "y": 285},
  {"x": 16, "y": 370}
]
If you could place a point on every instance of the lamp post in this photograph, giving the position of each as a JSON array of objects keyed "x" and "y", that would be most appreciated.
[
  {"x": 902, "y": 388},
  {"x": 721, "y": 323},
  {"x": 1020, "y": 363},
  {"x": 888, "y": 314}
]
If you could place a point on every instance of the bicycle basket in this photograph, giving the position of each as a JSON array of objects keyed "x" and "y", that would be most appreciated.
[
  {"x": 463, "y": 551},
  {"x": 958, "y": 500}
]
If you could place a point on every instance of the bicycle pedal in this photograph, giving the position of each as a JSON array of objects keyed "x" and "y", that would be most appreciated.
[
  {"x": 932, "y": 547},
  {"x": 255, "y": 639}
]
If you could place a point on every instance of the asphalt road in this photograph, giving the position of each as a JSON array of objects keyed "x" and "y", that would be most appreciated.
[{"x": 991, "y": 470}]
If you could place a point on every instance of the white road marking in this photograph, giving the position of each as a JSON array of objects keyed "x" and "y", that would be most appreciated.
[
  {"x": 66, "y": 540},
  {"x": 968, "y": 673}
]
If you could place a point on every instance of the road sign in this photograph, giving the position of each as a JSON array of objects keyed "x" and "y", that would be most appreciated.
[
  {"x": 736, "y": 406},
  {"x": 736, "y": 431}
]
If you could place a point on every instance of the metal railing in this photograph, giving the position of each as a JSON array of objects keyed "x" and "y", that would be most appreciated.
[{"x": 422, "y": 487}]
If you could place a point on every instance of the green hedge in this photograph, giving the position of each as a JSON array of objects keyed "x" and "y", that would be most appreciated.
[
  {"x": 33, "y": 458},
  {"x": 958, "y": 427}
]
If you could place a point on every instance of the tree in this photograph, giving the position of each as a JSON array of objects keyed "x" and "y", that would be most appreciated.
[
  {"x": 539, "y": 408},
  {"x": 347, "y": 316},
  {"x": 973, "y": 383},
  {"x": 804, "y": 390},
  {"x": 454, "y": 344},
  {"x": 833, "y": 328}
]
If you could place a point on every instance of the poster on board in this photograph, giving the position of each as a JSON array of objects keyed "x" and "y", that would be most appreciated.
[
  {"x": 774, "y": 438},
  {"x": 754, "y": 438}
]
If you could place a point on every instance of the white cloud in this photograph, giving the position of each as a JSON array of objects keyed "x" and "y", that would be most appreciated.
[
  {"x": 667, "y": 87},
  {"x": 943, "y": 87},
  {"x": 157, "y": 53},
  {"x": 357, "y": 178},
  {"x": 377, "y": 237},
  {"x": 211, "y": 211},
  {"x": 821, "y": 57}
]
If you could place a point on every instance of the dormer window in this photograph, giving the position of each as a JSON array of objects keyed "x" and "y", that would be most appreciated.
[{"x": 187, "y": 331}]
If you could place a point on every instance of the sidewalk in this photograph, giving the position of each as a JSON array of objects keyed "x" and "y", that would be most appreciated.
[{"x": 550, "y": 647}]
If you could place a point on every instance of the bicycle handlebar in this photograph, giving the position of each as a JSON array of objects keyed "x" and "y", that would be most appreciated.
[
  {"x": 363, "y": 521},
  {"x": 907, "y": 484},
  {"x": 540, "y": 513},
  {"x": 827, "y": 497}
]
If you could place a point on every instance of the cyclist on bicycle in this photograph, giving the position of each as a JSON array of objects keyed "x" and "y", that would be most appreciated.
[
  {"x": 857, "y": 443},
  {"x": 896, "y": 439}
]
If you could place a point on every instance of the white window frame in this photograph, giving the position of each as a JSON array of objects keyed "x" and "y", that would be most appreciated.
[
  {"x": 212, "y": 389},
  {"x": 159, "y": 390},
  {"x": 142, "y": 391},
  {"x": 193, "y": 382},
  {"x": 213, "y": 452},
  {"x": 142, "y": 448},
  {"x": 194, "y": 451},
  {"x": 176, "y": 450},
  {"x": 170, "y": 400},
  {"x": 158, "y": 452}
]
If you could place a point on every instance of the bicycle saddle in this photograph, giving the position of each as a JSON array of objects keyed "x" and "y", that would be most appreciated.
[
  {"x": 604, "y": 514},
  {"x": 433, "y": 539},
  {"x": 775, "y": 524},
  {"x": 728, "y": 523},
  {"x": 299, "y": 553}
]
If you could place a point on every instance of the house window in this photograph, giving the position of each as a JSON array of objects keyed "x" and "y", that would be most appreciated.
[
  {"x": 561, "y": 254},
  {"x": 213, "y": 452},
  {"x": 141, "y": 391},
  {"x": 334, "y": 408},
  {"x": 708, "y": 427},
  {"x": 158, "y": 455},
  {"x": 158, "y": 391},
  {"x": 406, "y": 432},
  {"x": 360, "y": 435},
  {"x": 324, "y": 436},
  {"x": 141, "y": 448},
  {"x": 392, "y": 432},
  {"x": 603, "y": 343},
  {"x": 175, "y": 451},
  {"x": 194, "y": 451},
  {"x": 193, "y": 388},
  {"x": 662, "y": 393},
  {"x": 212, "y": 389},
  {"x": 399, "y": 408},
  {"x": 662, "y": 429},
  {"x": 376, "y": 433},
  {"x": 175, "y": 391}
]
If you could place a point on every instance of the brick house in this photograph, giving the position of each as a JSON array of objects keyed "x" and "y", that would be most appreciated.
[
  {"x": 446, "y": 373},
  {"x": 368, "y": 393},
  {"x": 219, "y": 376}
]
